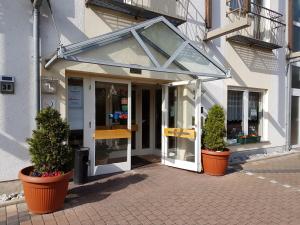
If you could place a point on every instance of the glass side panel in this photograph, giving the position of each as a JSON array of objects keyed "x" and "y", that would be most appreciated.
[
  {"x": 100, "y": 107},
  {"x": 118, "y": 50},
  {"x": 145, "y": 118},
  {"x": 234, "y": 114},
  {"x": 295, "y": 124},
  {"x": 111, "y": 101},
  {"x": 75, "y": 111},
  {"x": 181, "y": 115},
  {"x": 158, "y": 121},
  {"x": 133, "y": 118},
  {"x": 295, "y": 77},
  {"x": 192, "y": 60},
  {"x": 157, "y": 34}
]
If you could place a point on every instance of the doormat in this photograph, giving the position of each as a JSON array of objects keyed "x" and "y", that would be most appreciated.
[{"x": 137, "y": 161}]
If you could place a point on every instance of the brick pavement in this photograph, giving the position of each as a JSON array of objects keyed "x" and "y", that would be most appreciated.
[
  {"x": 284, "y": 170},
  {"x": 163, "y": 195}
]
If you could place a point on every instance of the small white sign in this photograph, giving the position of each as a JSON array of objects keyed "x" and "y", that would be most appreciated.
[{"x": 75, "y": 97}]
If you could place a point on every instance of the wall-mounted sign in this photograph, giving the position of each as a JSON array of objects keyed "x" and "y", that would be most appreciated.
[
  {"x": 75, "y": 96},
  {"x": 49, "y": 86},
  {"x": 180, "y": 133},
  {"x": 7, "y": 85}
]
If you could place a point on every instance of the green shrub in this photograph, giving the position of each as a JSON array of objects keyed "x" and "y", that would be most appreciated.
[
  {"x": 214, "y": 129},
  {"x": 48, "y": 147}
]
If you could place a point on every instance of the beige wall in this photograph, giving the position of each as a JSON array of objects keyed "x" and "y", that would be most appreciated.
[{"x": 251, "y": 67}]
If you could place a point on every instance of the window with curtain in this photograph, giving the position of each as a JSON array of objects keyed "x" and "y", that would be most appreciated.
[
  {"x": 234, "y": 114},
  {"x": 254, "y": 113},
  {"x": 235, "y": 118}
]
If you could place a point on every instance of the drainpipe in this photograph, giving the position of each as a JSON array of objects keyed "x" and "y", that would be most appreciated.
[
  {"x": 288, "y": 107},
  {"x": 36, "y": 49}
]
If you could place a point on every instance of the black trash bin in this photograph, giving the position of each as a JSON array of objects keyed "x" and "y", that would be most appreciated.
[{"x": 81, "y": 165}]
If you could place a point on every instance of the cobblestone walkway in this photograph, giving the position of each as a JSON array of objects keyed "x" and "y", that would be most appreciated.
[{"x": 163, "y": 195}]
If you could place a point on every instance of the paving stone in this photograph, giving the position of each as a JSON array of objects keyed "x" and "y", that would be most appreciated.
[{"x": 164, "y": 195}]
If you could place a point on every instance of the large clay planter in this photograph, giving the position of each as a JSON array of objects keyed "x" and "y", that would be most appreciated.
[
  {"x": 44, "y": 194},
  {"x": 215, "y": 163}
]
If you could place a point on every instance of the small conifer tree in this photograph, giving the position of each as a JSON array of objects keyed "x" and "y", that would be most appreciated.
[
  {"x": 48, "y": 146},
  {"x": 214, "y": 129}
]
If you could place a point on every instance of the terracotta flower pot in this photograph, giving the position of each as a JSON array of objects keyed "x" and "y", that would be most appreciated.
[
  {"x": 44, "y": 194},
  {"x": 215, "y": 163}
]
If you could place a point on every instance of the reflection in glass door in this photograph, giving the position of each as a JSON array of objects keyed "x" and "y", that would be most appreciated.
[
  {"x": 181, "y": 115},
  {"x": 295, "y": 115},
  {"x": 145, "y": 118},
  {"x": 181, "y": 127},
  {"x": 295, "y": 104},
  {"x": 112, "y": 136}
]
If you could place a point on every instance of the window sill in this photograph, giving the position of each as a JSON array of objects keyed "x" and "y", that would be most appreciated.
[{"x": 250, "y": 146}]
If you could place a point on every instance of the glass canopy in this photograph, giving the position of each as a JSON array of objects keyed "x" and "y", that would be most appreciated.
[{"x": 153, "y": 45}]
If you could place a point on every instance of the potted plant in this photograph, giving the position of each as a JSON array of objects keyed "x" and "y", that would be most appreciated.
[
  {"x": 247, "y": 139},
  {"x": 214, "y": 154},
  {"x": 45, "y": 183}
]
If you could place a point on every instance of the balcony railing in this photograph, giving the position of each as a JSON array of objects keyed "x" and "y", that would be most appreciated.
[
  {"x": 174, "y": 10},
  {"x": 267, "y": 26}
]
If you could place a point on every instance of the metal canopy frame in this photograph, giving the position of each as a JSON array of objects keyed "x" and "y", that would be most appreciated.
[{"x": 70, "y": 52}]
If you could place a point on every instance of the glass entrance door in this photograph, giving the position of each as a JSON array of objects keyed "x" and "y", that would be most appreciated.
[
  {"x": 295, "y": 106},
  {"x": 111, "y": 144},
  {"x": 181, "y": 127}
]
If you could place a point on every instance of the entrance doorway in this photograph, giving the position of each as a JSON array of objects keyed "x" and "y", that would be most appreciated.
[
  {"x": 146, "y": 114},
  {"x": 128, "y": 125},
  {"x": 125, "y": 125},
  {"x": 182, "y": 126}
]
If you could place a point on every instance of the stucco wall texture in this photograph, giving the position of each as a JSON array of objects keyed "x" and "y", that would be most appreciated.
[
  {"x": 75, "y": 22},
  {"x": 17, "y": 111}
]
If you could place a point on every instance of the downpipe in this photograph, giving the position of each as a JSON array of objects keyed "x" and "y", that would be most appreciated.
[
  {"x": 288, "y": 108},
  {"x": 36, "y": 50}
]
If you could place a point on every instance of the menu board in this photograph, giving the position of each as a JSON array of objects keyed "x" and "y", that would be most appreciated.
[
  {"x": 75, "y": 107},
  {"x": 75, "y": 96}
]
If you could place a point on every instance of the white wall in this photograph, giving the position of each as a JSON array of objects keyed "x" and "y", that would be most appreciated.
[{"x": 17, "y": 111}]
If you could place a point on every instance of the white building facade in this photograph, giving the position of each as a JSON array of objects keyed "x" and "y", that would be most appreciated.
[{"x": 124, "y": 111}]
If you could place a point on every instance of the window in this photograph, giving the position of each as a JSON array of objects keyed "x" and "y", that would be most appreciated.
[
  {"x": 254, "y": 113},
  {"x": 295, "y": 77},
  {"x": 234, "y": 114},
  {"x": 244, "y": 114},
  {"x": 296, "y": 26},
  {"x": 236, "y": 4}
]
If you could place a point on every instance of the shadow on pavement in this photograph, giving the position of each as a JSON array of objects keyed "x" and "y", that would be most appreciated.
[
  {"x": 101, "y": 189},
  {"x": 233, "y": 169},
  {"x": 273, "y": 170}
]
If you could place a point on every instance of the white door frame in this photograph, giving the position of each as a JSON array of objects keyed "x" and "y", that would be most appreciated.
[
  {"x": 194, "y": 166},
  {"x": 89, "y": 126},
  {"x": 294, "y": 93},
  {"x": 290, "y": 93},
  {"x": 138, "y": 149}
]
